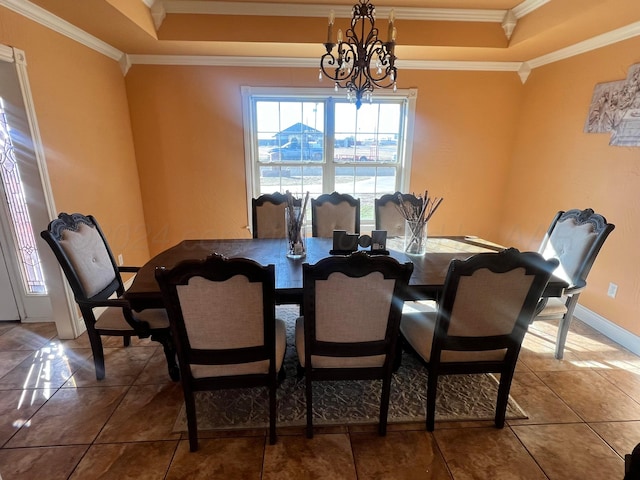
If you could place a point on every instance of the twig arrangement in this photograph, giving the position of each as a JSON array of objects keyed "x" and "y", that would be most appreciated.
[
  {"x": 417, "y": 217},
  {"x": 295, "y": 219}
]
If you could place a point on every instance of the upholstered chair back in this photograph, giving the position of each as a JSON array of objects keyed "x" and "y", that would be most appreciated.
[
  {"x": 361, "y": 315},
  {"x": 388, "y": 214},
  {"x": 487, "y": 304},
  {"x": 84, "y": 255},
  {"x": 89, "y": 257},
  {"x": 575, "y": 239},
  {"x": 222, "y": 315},
  {"x": 335, "y": 211},
  {"x": 268, "y": 215}
]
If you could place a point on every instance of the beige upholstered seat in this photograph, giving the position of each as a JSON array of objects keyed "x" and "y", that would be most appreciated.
[
  {"x": 483, "y": 314},
  {"x": 222, "y": 314},
  {"x": 388, "y": 215},
  {"x": 574, "y": 237},
  {"x": 268, "y": 215},
  {"x": 88, "y": 264},
  {"x": 334, "y": 211},
  {"x": 350, "y": 327}
]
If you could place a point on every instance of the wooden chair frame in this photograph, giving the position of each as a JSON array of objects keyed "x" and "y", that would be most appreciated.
[
  {"x": 356, "y": 265},
  {"x": 505, "y": 261},
  {"x": 578, "y": 283},
  {"x": 217, "y": 268},
  {"x": 53, "y": 235}
]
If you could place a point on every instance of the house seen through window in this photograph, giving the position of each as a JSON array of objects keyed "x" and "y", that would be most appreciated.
[{"x": 322, "y": 143}]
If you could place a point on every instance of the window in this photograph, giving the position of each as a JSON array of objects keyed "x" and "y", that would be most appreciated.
[{"x": 314, "y": 141}]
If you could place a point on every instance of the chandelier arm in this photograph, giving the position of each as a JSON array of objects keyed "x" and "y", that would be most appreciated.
[{"x": 363, "y": 61}]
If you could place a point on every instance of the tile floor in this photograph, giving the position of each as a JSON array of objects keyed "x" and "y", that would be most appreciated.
[{"x": 58, "y": 422}]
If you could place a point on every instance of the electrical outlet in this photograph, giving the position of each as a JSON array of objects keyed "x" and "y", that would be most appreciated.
[
  {"x": 613, "y": 290},
  {"x": 120, "y": 259}
]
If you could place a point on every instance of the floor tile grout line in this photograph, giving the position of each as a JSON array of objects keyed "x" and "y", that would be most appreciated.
[{"x": 531, "y": 455}]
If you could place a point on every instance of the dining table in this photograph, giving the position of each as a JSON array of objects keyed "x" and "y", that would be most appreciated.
[{"x": 426, "y": 282}]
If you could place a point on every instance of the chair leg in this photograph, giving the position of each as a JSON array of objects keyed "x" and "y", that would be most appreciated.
[
  {"x": 503, "y": 397},
  {"x": 192, "y": 421},
  {"x": 272, "y": 412},
  {"x": 397, "y": 359},
  {"x": 563, "y": 326},
  {"x": 166, "y": 340},
  {"x": 309, "y": 398},
  {"x": 98, "y": 352},
  {"x": 384, "y": 405},
  {"x": 432, "y": 388},
  {"x": 126, "y": 340}
]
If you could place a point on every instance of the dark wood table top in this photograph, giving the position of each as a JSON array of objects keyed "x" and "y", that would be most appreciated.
[{"x": 426, "y": 281}]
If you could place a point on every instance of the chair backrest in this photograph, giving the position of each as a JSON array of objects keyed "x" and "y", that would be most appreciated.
[
  {"x": 352, "y": 308},
  {"x": 222, "y": 315},
  {"x": 84, "y": 255},
  {"x": 487, "y": 304},
  {"x": 334, "y": 211},
  {"x": 268, "y": 215},
  {"x": 575, "y": 237},
  {"x": 388, "y": 215}
]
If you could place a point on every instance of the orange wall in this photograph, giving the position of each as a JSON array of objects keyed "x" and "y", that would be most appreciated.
[
  {"x": 555, "y": 166},
  {"x": 505, "y": 156},
  {"x": 81, "y": 109},
  {"x": 187, "y": 124}
]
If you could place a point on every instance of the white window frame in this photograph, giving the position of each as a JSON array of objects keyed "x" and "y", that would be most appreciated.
[{"x": 278, "y": 93}]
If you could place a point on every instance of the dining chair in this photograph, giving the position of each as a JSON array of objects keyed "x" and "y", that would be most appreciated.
[
  {"x": 334, "y": 211},
  {"x": 222, "y": 314},
  {"x": 267, "y": 213},
  {"x": 349, "y": 331},
  {"x": 388, "y": 215},
  {"x": 86, "y": 259},
  {"x": 486, "y": 306},
  {"x": 575, "y": 238}
]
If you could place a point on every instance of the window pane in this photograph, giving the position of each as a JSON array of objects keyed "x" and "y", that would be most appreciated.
[
  {"x": 290, "y": 131},
  {"x": 369, "y": 134}
]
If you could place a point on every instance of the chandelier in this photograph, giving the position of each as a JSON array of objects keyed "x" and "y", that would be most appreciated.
[{"x": 363, "y": 61}]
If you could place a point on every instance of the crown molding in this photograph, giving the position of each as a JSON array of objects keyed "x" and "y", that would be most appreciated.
[
  {"x": 609, "y": 38},
  {"x": 43, "y": 17},
  {"x": 458, "y": 65},
  {"x": 341, "y": 11},
  {"x": 527, "y": 7},
  {"x": 290, "y": 62}
]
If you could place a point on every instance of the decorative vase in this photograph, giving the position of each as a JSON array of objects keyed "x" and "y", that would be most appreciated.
[
  {"x": 294, "y": 224},
  {"x": 415, "y": 237}
]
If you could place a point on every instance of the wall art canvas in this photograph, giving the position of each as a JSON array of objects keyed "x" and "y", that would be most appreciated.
[{"x": 615, "y": 109}]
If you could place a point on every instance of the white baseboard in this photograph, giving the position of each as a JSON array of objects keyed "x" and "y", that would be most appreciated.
[{"x": 616, "y": 333}]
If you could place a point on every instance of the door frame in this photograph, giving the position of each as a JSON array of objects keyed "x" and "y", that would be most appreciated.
[{"x": 69, "y": 324}]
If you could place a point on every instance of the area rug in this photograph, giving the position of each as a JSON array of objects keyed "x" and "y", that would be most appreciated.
[{"x": 460, "y": 397}]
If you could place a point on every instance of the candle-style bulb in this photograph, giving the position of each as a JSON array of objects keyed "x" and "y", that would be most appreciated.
[
  {"x": 392, "y": 16},
  {"x": 339, "y": 35},
  {"x": 393, "y": 34},
  {"x": 332, "y": 17}
]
